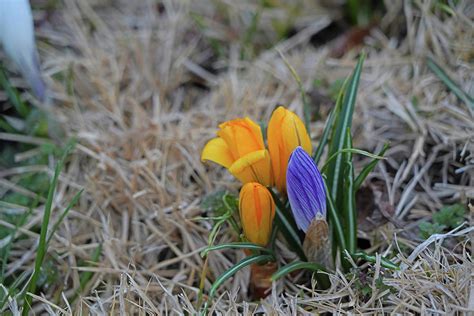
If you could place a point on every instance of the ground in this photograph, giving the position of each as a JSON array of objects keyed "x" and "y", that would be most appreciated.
[{"x": 142, "y": 86}]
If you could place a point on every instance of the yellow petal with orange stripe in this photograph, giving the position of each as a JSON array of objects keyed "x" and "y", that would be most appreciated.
[{"x": 285, "y": 132}]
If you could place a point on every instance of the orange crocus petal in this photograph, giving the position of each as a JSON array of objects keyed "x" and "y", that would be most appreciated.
[
  {"x": 242, "y": 135},
  {"x": 285, "y": 132},
  {"x": 257, "y": 210},
  {"x": 216, "y": 150},
  {"x": 253, "y": 167}
]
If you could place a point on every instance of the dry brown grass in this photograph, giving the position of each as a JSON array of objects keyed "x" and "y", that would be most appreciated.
[{"x": 149, "y": 91}]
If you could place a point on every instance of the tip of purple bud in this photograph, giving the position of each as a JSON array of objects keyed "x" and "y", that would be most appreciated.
[{"x": 305, "y": 189}]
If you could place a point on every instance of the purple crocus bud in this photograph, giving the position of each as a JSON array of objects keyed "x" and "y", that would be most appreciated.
[{"x": 305, "y": 189}]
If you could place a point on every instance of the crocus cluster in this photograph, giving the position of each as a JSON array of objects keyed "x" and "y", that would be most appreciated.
[{"x": 286, "y": 164}]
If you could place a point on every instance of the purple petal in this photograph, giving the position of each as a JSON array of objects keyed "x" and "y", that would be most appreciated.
[{"x": 305, "y": 189}]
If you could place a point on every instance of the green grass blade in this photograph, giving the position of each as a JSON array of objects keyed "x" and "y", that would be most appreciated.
[
  {"x": 294, "y": 266},
  {"x": 86, "y": 276},
  {"x": 12, "y": 234},
  {"x": 453, "y": 86},
  {"x": 16, "y": 284},
  {"x": 236, "y": 245},
  {"x": 334, "y": 220},
  {"x": 383, "y": 262},
  {"x": 329, "y": 127},
  {"x": 64, "y": 214},
  {"x": 13, "y": 95},
  {"x": 368, "y": 169},
  {"x": 287, "y": 226},
  {"x": 349, "y": 212},
  {"x": 42, "y": 245},
  {"x": 349, "y": 150},
  {"x": 13, "y": 287},
  {"x": 325, "y": 137},
  {"x": 349, "y": 209},
  {"x": 242, "y": 264},
  {"x": 343, "y": 121}
]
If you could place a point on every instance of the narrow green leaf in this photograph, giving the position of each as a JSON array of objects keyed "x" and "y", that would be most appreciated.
[
  {"x": 297, "y": 265},
  {"x": 13, "y": 95},
  {"x": 334, "y": 220},
  {"x": 64, "y": 214},
  {"x": 349, "y": 150},
  {"x": 287, "y": 226},
  {"x": 349, "y": 208},
  {"x": 43, "y": 245},
  {"x": 215, "y": 230},
  {"x": 240, "y": 265},
  {"x": 236, "y": 245},
  {"x": 325, "y": 136},
  {"x": 330, "y": 124},
  {"x": 343, "y": 121},
  {"x": 383, "y": 262},
  {"x": 231, "y": 209},
  {"x": 368, "y": 169},
  {"x": 13, "y": 287},
  {"x": 350, "y": 219},
  {"x": 453, "y": 86},
  {"x": 87, "y": 275},
  {"x": 7, "y": 248}
]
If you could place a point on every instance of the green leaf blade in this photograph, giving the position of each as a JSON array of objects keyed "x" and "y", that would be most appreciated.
[
  {"x": 237, "y": 267},
  {"x": 236, "y": 245},
  {"x": 287, "y": 226},
  {"x": 368, "y": 169},
  {"x": 294, "y": 266},
  {"x": 343, "y": 121}
]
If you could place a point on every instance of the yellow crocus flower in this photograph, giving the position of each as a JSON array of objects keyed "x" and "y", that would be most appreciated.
[
  {"x": 257, "y": 210},
  {"x": 285, "y": 132},
  {"x": 239, "y": 147}
]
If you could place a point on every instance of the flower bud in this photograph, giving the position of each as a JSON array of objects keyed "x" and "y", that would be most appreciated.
[
  {"x": 305, "y": 189},
  {"x": 308, "y": 203},
  {"x": 285, "y": 132},
  {"x": 257, "y": 210}
]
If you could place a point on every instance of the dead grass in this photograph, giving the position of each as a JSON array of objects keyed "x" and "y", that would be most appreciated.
[{"x": 149, "y": 90}]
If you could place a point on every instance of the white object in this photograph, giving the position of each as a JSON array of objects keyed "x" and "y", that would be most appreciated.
[{"x": 18, "y": 41}]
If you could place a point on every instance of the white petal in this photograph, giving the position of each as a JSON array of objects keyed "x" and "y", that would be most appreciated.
[{"x": 17, "y": 39}]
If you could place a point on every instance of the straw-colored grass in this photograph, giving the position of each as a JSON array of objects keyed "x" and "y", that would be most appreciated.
[{"x": 148, "y": 90}]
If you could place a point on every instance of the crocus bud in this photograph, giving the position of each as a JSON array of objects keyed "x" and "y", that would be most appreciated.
[
  {"x": 239, "y": 147},
  {"x": 18, "y": 41},
  {"x": 257, "y": 210},
  {"x": 305, "y": 189},
  {"x": 308, "y": 203},
  {"x": 285, "y": 132}
]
